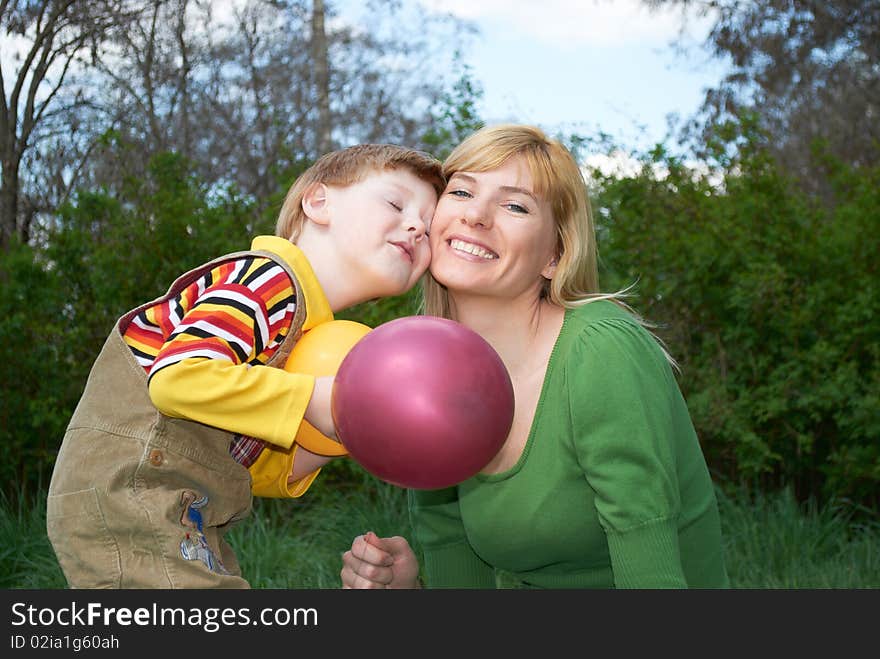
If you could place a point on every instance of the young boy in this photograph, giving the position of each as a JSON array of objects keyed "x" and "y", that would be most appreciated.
[{"x": 152, "y": 470}]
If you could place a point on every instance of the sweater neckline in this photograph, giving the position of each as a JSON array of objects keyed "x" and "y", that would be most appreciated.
[{"x": 551, "y": 365}]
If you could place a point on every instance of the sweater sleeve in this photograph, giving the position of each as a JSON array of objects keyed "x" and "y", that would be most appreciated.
[
  {"x": 620, "y": 398},
  {"x": 268, "y": 403},
  {"x": 449, "y": 560},
  {"x": 208, "y": 366}
]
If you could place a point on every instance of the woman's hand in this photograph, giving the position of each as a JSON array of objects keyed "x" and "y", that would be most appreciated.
[{"x": 374, "y": 562}]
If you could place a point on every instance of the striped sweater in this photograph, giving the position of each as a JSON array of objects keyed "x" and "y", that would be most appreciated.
[{"x": 239, "y": 312}]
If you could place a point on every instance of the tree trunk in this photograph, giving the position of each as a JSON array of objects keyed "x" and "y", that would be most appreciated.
[
  {"x": 8, "y": 203},
  {"x": 58, "y": 31},
  {"x": 322, "y": 78},
  {"x": 183, "y": 80}
]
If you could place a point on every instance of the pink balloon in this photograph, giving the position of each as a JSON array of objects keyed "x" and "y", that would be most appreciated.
[{"x": 422, "y": 402}]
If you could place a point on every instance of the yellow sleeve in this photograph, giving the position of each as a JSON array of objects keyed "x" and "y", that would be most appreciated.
[
  {"x": 270, "y": 471},
  {"x": 262, "y": 401}
]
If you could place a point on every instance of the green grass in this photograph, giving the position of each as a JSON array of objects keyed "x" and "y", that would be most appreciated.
[
  {"x": 771, "y": 541},
  {"x": 26, "y": 557},
  {"x": 299, "y": 543}
]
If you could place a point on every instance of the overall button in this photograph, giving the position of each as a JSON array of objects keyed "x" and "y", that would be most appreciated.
[{"x": 156, "y": 457}]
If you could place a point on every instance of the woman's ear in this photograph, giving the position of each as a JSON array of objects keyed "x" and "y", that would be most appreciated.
[
  {"x": 549, "y": 270},
  {"x": 314, "y": 204}
]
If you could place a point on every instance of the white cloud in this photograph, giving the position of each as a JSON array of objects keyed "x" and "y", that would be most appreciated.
[
  {"x": 573, "y": 22},
  {"x": 619, "y": 164}
]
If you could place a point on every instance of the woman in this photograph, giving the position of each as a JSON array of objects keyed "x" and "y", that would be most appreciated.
[{"x": 601, "y": 482}]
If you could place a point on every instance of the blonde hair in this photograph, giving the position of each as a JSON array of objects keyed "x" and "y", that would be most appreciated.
[
  {"x": 557, "y": 179},
  {"x": 351, "y": 165}
]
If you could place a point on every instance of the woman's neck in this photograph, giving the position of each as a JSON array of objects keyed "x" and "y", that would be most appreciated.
[{"x": 521, "y": 331}]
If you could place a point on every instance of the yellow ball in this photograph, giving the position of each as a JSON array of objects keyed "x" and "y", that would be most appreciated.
[{"x": 319, "y": 352}]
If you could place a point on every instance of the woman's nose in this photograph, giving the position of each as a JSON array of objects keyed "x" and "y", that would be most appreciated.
[{"x": 475, "y": 214}]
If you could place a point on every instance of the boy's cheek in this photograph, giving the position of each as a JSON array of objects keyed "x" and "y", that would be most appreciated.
[{"x": 424, "y": 260}]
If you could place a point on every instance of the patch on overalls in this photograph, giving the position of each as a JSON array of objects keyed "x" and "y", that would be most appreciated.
[{"x": 194, "y": 546}]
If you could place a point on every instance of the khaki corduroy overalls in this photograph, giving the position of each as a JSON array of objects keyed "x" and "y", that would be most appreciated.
[{"x": 142, "y": 500}]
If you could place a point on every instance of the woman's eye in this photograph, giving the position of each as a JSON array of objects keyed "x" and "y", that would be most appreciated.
[
  {"x": 460, "y": 193},
  {"x": 516, "y": 208}
]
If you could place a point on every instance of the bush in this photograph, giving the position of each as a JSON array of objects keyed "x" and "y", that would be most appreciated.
[
  {"x": 768, "y": 298},
  {"x": 105, "y": 255}
]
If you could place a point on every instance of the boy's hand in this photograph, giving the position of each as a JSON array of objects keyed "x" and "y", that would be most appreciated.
[
  {"x": 318, "y": 411},
  {"x": 374, "y": 562}
]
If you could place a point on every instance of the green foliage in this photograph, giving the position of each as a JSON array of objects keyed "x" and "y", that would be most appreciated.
[
  {"x": 768, "y": 298},
  {"x": 38, "y": 377},
  {"x": 106, "y": 254},
  {"x": 120, "y": 252}
]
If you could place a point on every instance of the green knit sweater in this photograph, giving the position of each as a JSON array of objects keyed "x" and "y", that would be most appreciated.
[{"x": 611, "y": 490}]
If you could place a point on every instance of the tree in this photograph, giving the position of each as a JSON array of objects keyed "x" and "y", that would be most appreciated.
[
  {"x": 809, "y": 69},
  {"x": 254, "y": 96},
  {"x": 54, "y": 35},
  {"x": 144, "y": 88},
  {"x": 250, "y": 96},
  {"x": 321, "y": 66}
]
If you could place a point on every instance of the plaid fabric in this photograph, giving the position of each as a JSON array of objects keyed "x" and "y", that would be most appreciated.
[{"x": 245, "y": 450}]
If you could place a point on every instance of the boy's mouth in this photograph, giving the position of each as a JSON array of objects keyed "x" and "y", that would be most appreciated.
[{"x": 406, "y": 248}]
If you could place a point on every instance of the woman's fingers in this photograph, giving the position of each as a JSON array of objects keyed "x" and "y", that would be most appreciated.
[{"x": 366, "y": 565}]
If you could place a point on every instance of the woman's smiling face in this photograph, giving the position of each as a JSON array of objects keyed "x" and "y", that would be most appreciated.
[{"x": 492, "y": 234}]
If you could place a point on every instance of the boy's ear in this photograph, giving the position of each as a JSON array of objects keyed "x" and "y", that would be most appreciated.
[{"x": 314, "y": 203}]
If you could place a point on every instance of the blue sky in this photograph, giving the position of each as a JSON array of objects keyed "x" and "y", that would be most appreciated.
[{"x": 585, "y": 64}]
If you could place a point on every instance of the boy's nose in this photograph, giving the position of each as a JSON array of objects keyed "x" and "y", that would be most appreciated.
[{"x": 416, "y": 225}]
